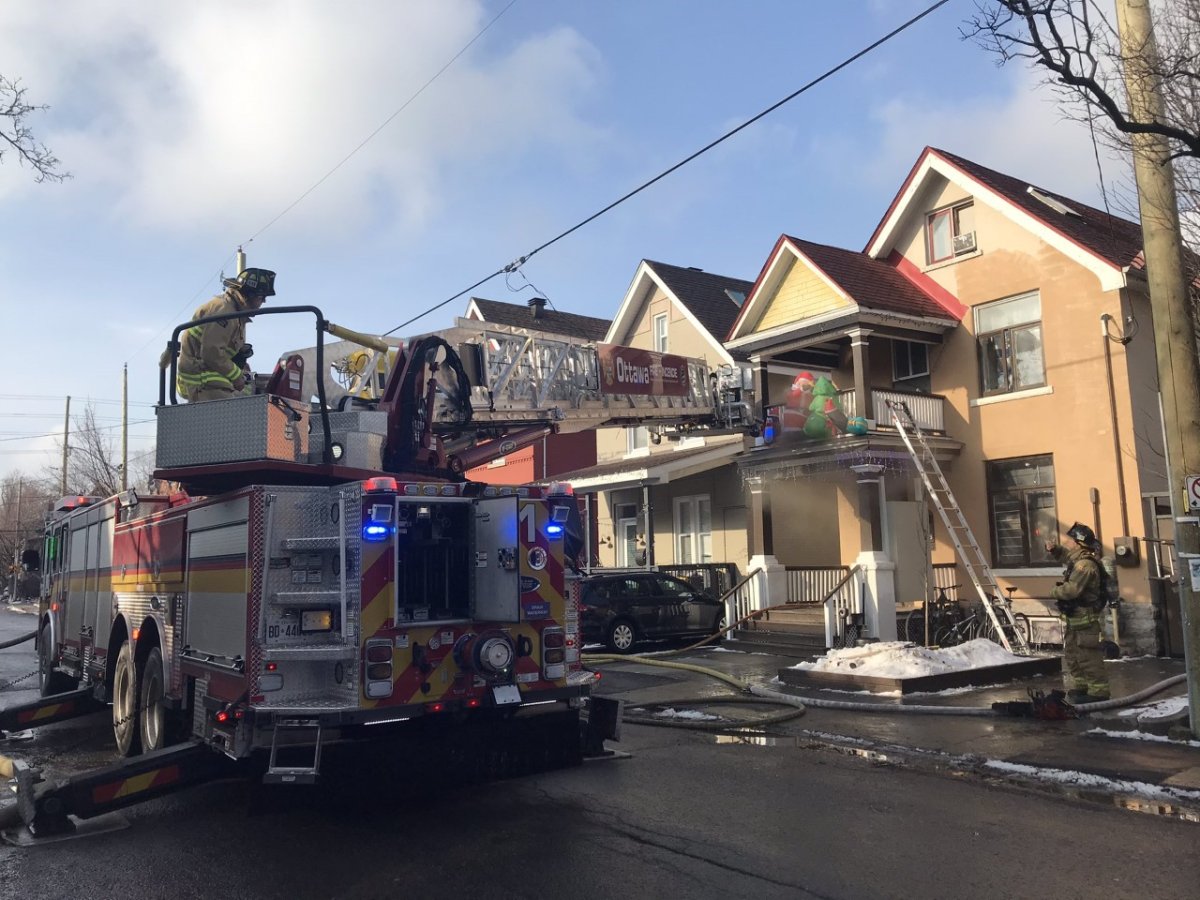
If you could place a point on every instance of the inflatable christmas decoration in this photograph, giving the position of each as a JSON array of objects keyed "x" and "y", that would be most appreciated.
[{"x": 812, "y": 408}]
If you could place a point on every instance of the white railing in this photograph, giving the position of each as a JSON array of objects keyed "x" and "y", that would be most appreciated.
[
  {"x": 812, "y": 584},
  {"x": 925, "y": 409},
  {"x": 739, "y": 601}
]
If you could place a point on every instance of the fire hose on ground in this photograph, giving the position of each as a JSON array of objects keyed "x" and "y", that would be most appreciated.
[{"x": 4, "y": 645}]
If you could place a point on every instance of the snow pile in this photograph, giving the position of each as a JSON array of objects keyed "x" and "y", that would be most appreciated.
[
  {"x": 900, "y": 659},
  {"x": 1163, "y": 709},
  {"x": 1142, "y": 736},
  {"x": 694, "y": 714}
]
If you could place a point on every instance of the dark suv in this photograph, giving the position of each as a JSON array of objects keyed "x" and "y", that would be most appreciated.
[{"x": 622, "y": 609}]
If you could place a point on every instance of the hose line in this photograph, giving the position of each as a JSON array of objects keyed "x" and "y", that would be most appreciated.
[{"x": 4, "y": 645}]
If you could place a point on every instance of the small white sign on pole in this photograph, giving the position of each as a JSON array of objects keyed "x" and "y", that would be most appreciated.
[{"x": 1192, "y": 486}]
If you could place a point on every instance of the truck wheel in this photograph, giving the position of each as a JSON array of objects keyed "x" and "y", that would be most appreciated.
[
  {"x": 125, "y": 703},
  {"x": 50, "y": 682},
  {"x": 154, "y": 719}
]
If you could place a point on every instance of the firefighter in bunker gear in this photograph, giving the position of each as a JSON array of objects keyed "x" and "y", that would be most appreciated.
[
  {"x": 1080, "y": 597},
  {"x": 213, "y": 356}
]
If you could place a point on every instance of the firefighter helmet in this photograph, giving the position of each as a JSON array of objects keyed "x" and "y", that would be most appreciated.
[
  {"x": 253, "y": 282},
  {"x": 1082, "y": 534}
]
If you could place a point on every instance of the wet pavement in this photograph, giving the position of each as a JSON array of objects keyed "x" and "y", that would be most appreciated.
[{"x": 1105, "y": 753}]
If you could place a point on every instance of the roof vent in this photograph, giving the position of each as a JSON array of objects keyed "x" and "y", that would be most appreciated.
[
  {"x": 1057, "y": 205},
  {"x": 695, "y": 269},
  {"x": 738, "y": 297},
  {"x": 537, "y": 306}
]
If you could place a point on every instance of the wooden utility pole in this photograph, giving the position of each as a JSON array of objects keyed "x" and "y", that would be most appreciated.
[
  {"x": 1174, "y": 334},
  {"x": 66, "y": 440}
]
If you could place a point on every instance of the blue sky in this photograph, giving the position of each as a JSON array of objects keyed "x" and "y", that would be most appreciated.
[{"x": 188, "y": 130}]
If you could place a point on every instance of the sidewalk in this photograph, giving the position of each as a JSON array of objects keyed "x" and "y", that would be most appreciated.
[{"x": 1105, "y": 755}]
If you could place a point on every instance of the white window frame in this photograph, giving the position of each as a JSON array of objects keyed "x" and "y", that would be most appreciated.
[
  {"x": 637, "y": 441},
  {"x": 660, "y": 333},
  {"x": 621, "y": 521},
  {"x": 696, "y": 543},
  {"x": 952, "y": 212}
]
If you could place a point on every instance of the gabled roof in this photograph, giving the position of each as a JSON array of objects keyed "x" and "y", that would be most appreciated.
[
  {"x": 519, "y": 315},
  {"x": 703, "y": 297},
  {"x": 1105, "y": 244},
  {"x": 870, "y": 284}
]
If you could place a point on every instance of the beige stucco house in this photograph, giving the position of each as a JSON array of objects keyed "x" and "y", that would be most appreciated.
[{"x": 996, "y": 310}]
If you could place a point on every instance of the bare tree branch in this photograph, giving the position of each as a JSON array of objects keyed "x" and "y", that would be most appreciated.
[{"x": 16, "y": 136}]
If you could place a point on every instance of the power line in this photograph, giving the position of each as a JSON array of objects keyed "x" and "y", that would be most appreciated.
[
  {"x": 467, "y": 46},
  {"x": 520, "y": 261},
  {"x": 58, "y": 433},
  {"x": 32, "y": 397}
]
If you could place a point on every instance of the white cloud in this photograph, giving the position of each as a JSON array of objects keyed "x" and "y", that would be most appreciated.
[
  {"x": 217, "y": 116},
  {"x": 1022, "y": 132}
]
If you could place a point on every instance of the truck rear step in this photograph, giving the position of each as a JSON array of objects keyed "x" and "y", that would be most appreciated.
[{"x": 279, "y": 774}]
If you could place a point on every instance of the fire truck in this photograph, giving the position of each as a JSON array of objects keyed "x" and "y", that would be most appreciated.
[{"x": 322, "y": 570}]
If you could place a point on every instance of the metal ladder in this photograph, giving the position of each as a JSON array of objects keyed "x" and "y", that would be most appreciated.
[
  {"x": 277, "y": 774},
  {"x": 998, "y": 609}
]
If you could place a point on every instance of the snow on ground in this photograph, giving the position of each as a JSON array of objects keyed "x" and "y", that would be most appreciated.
[
  {"x": 694, "y": 714},
  {"x": 901, "y": 659},
  {"x": 1162, "y": 709},
  {"x": 1142, "y": 736},
  {"x": 1084, "y": 780}
]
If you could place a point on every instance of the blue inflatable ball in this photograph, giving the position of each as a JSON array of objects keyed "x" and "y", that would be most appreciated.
[{"x": 856, "y": 425}]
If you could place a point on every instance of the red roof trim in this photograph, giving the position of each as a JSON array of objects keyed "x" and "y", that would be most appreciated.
[
  {"x": 912, "y": 173},
  {"x": 935, "y": 291}
]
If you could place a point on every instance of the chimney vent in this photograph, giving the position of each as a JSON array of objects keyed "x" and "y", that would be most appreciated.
[{"x": 537, "y": 306}]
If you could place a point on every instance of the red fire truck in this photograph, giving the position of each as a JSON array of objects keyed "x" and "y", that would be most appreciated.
[{"x": 322, "y": 568}]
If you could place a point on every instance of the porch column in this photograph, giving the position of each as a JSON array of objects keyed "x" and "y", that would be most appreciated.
[
  {"x": 648, "y": 516},
  {"x": 769, "y": 587},
  {"x": 879, "y": 572},
  {"x": 760, "y": 384},
  {"x": 862, "y": 373}
]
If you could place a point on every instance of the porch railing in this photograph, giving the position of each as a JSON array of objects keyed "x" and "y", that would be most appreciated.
[
  {"x": 844, "y": 611},
  {"x": 927, "y": 410},
  {"x": 811, "y": 584}
]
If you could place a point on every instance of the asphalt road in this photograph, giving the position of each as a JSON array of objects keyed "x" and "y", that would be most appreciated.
[{"x": 689, "y": 815}]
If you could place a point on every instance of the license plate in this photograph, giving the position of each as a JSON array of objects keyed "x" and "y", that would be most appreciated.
[{"x": 505, "y": 694}]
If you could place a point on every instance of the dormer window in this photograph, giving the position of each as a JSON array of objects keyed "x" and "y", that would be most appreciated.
[{"x": 950, "y": 232}]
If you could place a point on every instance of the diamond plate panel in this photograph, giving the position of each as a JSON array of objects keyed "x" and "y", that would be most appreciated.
[{"x": 260, "y": 426}]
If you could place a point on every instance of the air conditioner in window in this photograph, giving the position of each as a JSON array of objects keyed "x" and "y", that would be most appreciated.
[{"x": 964, "y": 243}]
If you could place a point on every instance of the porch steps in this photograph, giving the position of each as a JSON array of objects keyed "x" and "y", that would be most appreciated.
[{"x": 798, "y": 633}]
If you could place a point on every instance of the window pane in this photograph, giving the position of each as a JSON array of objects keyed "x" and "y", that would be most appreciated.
[
  {"x": 1006, "y": 313},
  {"x": 637, "y": 438},
  {"x": 993, "y": 364},
  {"x": 940, "y": 237},
  {"x": 964, "y": 219},
  {"x": 919, "y": 354},
  {"x": 1006, "y": 526},
  {"x": 1028, "y": 366},
  {"x": 672, "y": 588},
  {"x": 900, "y": 353},
  {"x": 1043, "y": 524}
]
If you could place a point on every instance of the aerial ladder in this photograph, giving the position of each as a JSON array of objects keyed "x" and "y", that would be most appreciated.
[{"x": 997, "y": 609}]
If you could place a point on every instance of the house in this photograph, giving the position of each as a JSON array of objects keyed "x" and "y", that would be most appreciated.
[
  {"x": 559, "y": 452},
  {"x": 663, "y": 502},
  {"x": 996, "y": 310}
]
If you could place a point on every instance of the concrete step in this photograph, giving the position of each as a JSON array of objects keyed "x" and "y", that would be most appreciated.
[
  {"x": 800, "y": 614},
  {"x": 790, "y": 627},
  {"x": 783, "y": 643},
  {"x": 791, "y": 651}
]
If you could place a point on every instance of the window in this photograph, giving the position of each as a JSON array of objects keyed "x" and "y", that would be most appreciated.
[
  {"x": 1010, "y": 345},
  {"x": 660, "y": 333},
  {"x": 637, "y": 439},
  {"x": 693, "y": 529},
  {"x": 627, "y": 534},
  {"x": 1023, "y": 511},
  {"x": 910, "y": 365},
  {"x": 950, "y": 232}
]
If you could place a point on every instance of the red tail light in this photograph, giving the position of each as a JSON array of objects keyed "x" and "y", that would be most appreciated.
[
  {"x": 222, "y": 716},
  {"x": 379, "y": 653},
  {"x": 473, "y": 703},
  {"x": 553, "y": 639},
  {"x": 435, "y": 707}
]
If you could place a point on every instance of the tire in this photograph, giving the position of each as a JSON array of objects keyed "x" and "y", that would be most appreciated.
[
  {"x": 1024, "y": 627},
  {"x": 126, "y": 727},
  {"x": 154, "y": 720},
  {"x": 720, "y": 628},
  {"x": 914, "y": 627},
  {"x": 622, "y": 635},
  {"x": 50, "y": 682},
  {"x": 948, "y": 637}
]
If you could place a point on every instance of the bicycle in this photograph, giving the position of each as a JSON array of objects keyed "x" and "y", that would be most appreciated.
[
  {"x": 943, "y": 613},
  {"x": 980, "y": 625}
]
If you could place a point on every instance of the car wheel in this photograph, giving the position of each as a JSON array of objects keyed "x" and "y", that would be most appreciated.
[
  {"x": 720, "y": 628},
  {"x": 621, "y": 636},
  {"x": 50, "y": 682},
  {"x": 125, "y": 703}
]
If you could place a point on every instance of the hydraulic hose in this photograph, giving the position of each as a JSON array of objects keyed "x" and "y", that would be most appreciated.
[
  {"x": 667, "y": 664},
  {"x": 4, "y": 645},
  {"x": 1132, "y": 698},
  {"x": 794, "y": 710}
]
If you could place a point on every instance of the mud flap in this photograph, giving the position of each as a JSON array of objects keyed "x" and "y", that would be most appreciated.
[{"x": 603, "y": 723}]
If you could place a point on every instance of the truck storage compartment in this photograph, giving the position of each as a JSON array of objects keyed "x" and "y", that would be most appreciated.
[{"x": 434, "y": 559}]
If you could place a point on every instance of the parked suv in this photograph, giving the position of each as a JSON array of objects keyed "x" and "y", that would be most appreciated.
[{"x": 622, "y": 609}]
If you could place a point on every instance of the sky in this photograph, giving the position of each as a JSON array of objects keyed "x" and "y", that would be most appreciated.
[{"x": 288, "y": 127}]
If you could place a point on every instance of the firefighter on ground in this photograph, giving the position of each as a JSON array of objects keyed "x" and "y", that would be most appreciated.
[
  {"x": 1080, "y": 597},
  {"x": 212, "y": 358}
]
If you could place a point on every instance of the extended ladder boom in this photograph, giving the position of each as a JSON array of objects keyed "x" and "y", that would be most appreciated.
[{"x": 998, "y": 610}]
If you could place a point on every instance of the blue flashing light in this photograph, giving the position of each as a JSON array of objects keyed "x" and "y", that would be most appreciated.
[
  {"x": 373, "y": 531},
  {"x": 554, "y": 530}
]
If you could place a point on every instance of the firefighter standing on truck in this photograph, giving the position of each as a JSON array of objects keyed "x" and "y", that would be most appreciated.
[
  {"x": 213, "y": 355},
  {"x": 1080, "y": 597}
]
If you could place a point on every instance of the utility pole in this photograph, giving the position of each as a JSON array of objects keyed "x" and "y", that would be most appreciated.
[
  {"x": 125, "y": 429},
  {"x": 66, "y": 436},
  {"x": 1174, "y": 335}
]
